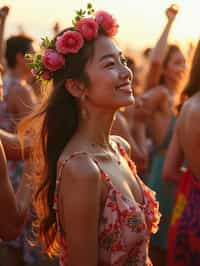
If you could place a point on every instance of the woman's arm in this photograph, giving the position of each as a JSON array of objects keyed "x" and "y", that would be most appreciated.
[
  {"x": 174, "y": 159},
  {"x": 12, "y": 146},
  {"x": 158, "y": 52},
  {"x": 3, "y": 15},
  {"x": 80, "y": 200},
  {"x": 13, "y": 211}
]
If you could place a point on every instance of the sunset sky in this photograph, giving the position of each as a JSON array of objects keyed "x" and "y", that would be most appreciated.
[{"x": 141, "y": 21}]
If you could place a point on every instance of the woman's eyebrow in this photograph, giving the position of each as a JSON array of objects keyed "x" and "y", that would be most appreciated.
[{"x": 110, "y": 55}]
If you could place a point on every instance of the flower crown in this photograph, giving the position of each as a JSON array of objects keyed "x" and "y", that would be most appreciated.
[{"x": 54, "y": 52}]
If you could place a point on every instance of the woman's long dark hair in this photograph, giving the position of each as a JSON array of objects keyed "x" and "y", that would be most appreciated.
[
  {"x": 55, "y": 123},
  {"x": 193, "y": 84}
]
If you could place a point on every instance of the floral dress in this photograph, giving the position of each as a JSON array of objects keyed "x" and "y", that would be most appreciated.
[{"x": 125, "y": 226}]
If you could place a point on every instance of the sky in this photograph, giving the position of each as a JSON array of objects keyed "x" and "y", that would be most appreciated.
[{"x": 141, "y": 21}]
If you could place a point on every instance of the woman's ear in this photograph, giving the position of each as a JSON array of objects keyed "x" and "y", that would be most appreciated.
[{"x": 74, "y": 87}]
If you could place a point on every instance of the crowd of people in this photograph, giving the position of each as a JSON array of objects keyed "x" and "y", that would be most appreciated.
[{"x": 98, "y": 161}]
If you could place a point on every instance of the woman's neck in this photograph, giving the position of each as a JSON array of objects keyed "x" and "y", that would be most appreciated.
[{"x": 96, "y": 127}]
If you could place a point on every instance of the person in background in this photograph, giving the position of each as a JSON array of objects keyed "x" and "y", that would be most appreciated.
[
  {"x": 184, "y": 233},
  {"x": 167, "y": 70}
]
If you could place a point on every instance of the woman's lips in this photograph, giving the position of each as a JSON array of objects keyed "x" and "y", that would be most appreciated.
[{"x": 126, "y": 87}]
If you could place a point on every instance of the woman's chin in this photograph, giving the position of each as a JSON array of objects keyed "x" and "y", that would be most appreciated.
[{"x": 129, "y": 101}]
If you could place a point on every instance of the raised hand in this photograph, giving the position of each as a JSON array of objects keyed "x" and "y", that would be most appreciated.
[
  {"x": 172, "y": 11},
  {"x": 4, "y": 12}
]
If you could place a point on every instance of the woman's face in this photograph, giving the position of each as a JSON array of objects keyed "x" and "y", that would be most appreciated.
[
  {"x": 110, "y": 78},
  {"x": 176, "y": 67}
]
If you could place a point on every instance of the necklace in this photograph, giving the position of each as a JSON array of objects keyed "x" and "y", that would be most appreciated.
[{"x": 117, "y": 158}]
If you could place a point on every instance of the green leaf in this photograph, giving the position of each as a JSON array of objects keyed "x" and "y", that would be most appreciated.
[{"x": 89, "y": 6}]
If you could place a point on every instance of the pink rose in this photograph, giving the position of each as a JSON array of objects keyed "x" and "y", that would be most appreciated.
[
  {"x": 52, "y": 60},
  {"x": 107, "y": 23},
  {"x": 88, "y": 27},
  {"x": 69, "y": 42},
  {"x": 47, "y": 75}
]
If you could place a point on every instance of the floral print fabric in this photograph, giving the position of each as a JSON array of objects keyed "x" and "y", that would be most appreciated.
[{"x": 125, "y": 225}]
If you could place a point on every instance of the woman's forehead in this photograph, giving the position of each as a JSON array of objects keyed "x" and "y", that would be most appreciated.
[{"x": 105, "y": 46}]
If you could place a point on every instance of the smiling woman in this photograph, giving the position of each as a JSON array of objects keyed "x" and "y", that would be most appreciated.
[{"x": 85, "y": 174}]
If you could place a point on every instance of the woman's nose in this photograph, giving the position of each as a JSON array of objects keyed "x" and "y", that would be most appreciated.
[{"x": 126, "y": 73}]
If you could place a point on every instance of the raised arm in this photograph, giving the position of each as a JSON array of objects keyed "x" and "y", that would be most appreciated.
[
  {"x": 3, "y": 15},
  {"x": 158, "y": 52},
  {"x": 80, "y": 198}
]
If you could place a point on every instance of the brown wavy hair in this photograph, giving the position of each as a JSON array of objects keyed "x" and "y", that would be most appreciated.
[
  {"x": 170, "y": 51},
  {"x": 53, "y": 125}
]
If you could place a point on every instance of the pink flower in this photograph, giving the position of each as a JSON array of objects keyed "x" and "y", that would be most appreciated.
[
  {"x": 107, "y": 23},
  {"x": 69, "y": 42},
  {"x": 46, "y": 75},
  {"x": 88, "y": 27},
  {"x": 52, "y": 60}
]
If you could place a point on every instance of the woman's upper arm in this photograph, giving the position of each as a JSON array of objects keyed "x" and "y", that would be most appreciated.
[
  {"x": 153, "y": 75},
  {"x": 174, "y": 158},
  {"x": 80, "y": 209}
]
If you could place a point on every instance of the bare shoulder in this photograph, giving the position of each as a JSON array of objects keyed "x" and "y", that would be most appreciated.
[
  {"x": 122, "y": 142},
  {"x": 191, "y": 109},
  {"x": 80, "y": 171}
]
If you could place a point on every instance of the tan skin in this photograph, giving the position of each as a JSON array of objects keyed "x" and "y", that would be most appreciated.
[
  {"x": 12, "y": 221},
  {"x": 185, "y": 142},
  {"x": 81, "y": 182}
]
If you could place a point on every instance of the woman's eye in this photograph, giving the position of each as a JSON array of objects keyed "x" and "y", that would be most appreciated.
[{"x": 109, "y": 64}]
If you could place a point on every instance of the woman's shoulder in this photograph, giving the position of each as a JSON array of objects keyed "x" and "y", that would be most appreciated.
[{"x": 78, "y": 167}]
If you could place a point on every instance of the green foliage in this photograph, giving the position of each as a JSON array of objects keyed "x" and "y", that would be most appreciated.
[{"x": 80, "y": 14}]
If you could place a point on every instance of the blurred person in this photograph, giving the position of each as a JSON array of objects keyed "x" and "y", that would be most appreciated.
[
  {"x": 84, "y": 173},
  {"x": 161, "y": 99},
  {"x": 19, "y": 100},
  {"x": 167, "y": 61},
  {"x": 184, "y": 233}
]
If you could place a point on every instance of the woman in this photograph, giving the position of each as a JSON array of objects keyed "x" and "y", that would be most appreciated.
[
  {"x": 162, "y": 96},
  {"x": 184, "y": 233},
  {"x": 84, "y": 207}
]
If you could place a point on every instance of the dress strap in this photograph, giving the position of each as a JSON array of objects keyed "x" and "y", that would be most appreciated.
[{"x": 124, "y": 154}]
